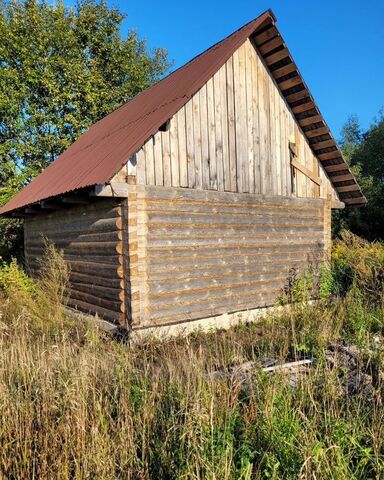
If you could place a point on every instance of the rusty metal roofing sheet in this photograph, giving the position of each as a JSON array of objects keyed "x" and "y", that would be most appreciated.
[{"x": 100, "y": 152}]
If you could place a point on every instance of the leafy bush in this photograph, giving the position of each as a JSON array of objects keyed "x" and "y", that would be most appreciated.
[
  {"x": 39, "y": 301},
  {"x": 359, "y": 264},
  {"x": 14, "y": 281}
]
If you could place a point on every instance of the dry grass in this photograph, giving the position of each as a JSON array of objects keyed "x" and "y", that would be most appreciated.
[{"x": 75, "y": 404}]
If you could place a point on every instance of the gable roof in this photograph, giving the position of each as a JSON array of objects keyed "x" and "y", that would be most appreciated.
[{"x": 100, "y": 152}]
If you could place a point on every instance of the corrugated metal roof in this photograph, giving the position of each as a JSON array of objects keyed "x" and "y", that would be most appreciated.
[{"x": 100, "y": 152}]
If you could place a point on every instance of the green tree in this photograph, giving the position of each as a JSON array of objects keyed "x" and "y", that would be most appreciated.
[
  {"x": 61, "y": 70},
  {"x": 365, "y": 153}
]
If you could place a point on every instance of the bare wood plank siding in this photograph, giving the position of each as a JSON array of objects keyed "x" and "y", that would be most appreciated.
[
  {"x": 203, "y": 253},
  {"x": 233, "y": 135},
  {"x": 93, "y": 242}
]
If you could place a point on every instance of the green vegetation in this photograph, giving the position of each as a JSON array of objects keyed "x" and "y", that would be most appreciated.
[
  {"x": 77, "y": 404},
  {"x": 61, "y": 70},
  {"x": 365, "y": 153}
]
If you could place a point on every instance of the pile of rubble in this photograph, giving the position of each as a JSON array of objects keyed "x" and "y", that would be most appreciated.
[{"x": 356, "y": 376}]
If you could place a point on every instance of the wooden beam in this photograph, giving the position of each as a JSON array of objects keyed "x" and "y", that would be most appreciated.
[
  {"x": 276, "y": 57},
  {"x": 355, "y": 201},
  {"x": 324, "y": 144},
  {"x": 303, "y": 107},
  {"x": 19, "y": 215},
  {"x": 114, "y": 189},
  {"x": 294, "y": 97},
  {"x": 316, "y": 132},
  {"x": 336, "y": 168},
  {"x": 74, "y": 199},
  {"x": 50, "y": 205},
  {"x": 280, "y": 72},
  {"x": 336, "y": 204},
  {"x": 305, "y": 171},
  {"x": 291, "y": 82},
  {"x": 309, "y": 120},
  {"x": 32, "y": 210},
  {"x": 342, "y": 178},
  {"x": 348, "y": 188},
  {"x": 330, "y": 155},
  {"x": 271, "y": 45},
  {"x": 266, "y": 35}
]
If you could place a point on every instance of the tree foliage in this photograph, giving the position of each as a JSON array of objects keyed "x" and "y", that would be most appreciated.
[
  {"x": 61, "y": 70},
  {"x": 365, "y": 153}
]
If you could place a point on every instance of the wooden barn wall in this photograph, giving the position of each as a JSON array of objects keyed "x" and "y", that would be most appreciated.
[
  {"x": 91, "y": 238},
  {"x": 198, "y": 253},
  {"x": 233, "y": 135}
]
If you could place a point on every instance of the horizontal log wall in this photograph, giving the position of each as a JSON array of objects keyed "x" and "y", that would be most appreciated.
[
  {"x": 202, "y": 253},
  {"x": 233, "y": 135},
  {"x": 92, "y": 240}
]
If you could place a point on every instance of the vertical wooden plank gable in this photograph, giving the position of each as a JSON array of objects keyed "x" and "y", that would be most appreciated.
[{"x": 233, "y": 135}]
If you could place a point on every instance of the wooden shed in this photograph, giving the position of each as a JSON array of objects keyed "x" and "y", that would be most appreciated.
[{"x": 197, "y": 197}]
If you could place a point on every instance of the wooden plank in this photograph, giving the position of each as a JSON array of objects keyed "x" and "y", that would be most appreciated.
[
  {"x": 95, "y": 301},
  {"x": 341, "y": 178},
  {"x": 264, "y": 125},
  {"x": 211, "y": 140},
  {"x": 286, "y": 177},
  {"x": 310, "y": 120},
  {"x": 182, "y": 139},
  {"x": 149, "y": 162},
  {"x": 336, "y": 204},
  {"x": 316, "y": 132},
  {"x": 336, "y": 168},
  {"x": 294, "y": 97},
  {"x": 226, "y": 267},
  {"x": 197, "y": 140},
  {"x": 256, "y": 124},
  {"x": 222, "y": 143},
  {"x": 272, "y": 164},
  {"x": 276, "y": 57},
  {"x": 204, "y": 137},
  {"x": 239, "y": 76},
  {"x": 231, "y": 126},
  {"x": 308, "y": 173},
  {"x": 278, "y": 160},
  {"x": 271, "y": 45},
  {"x": 249, "y": 59},
  {"x": 103, "y": 313},
  {"x": 101, "y": 291},
  {"x": 158, "y": 159},
  {"x": 174, "y": 152},
  {"x": 88, "y": 279},
  {"x": 263, "y": 37},
  {"x": 348, "y": 188},
  {"x": 140, "y": 168},
  {"x": 189, "y": 196},
  {"x": 280, "y": 72},
  {"x": 303, "y": 107},
  {"x": 324, "y": 144},
  {"x": 291, "y": 82},
  {"x": 355, "y": 201},
  {"x": 330, "y": 155},
  {"x": 114, "y": 189},
  {"x": 190, "y": 145},
  {"x": 166, "y": 158}
]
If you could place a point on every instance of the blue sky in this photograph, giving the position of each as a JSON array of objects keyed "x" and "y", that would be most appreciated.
[{"x": 338, "y": 45}]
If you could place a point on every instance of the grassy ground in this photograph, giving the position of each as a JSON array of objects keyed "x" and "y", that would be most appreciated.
[{"x": 75, "y": 404}]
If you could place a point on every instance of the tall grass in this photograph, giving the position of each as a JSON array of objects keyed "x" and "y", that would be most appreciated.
[{"x": 74, "y": 404}]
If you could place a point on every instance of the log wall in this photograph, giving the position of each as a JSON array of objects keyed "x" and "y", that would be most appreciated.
[
  {"x": 202, "y": 253},
  {"x": 92, "y": 239},
  {"x": 233, "y": 135}
]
